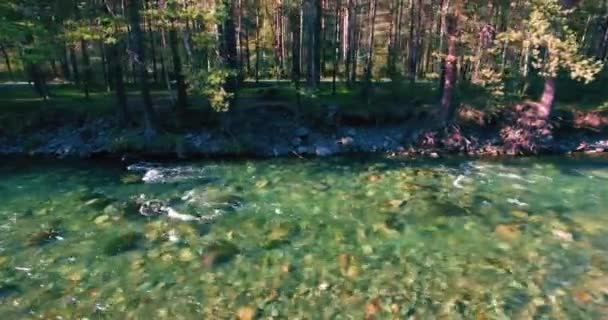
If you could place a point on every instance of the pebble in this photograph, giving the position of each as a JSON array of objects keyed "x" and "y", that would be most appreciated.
[{"x": 102, "y": 219}]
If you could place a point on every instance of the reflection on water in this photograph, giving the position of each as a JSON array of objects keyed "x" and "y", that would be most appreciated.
[{"x": 337, "y": 238}]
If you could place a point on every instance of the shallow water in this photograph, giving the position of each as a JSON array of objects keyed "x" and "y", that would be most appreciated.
[{"x": 308, "y": 239}]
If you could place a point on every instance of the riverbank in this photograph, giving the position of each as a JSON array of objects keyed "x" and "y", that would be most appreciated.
[{"x": 278, "y": 131}]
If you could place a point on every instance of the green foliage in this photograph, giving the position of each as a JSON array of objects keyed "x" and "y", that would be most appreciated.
[
  {"x": 211, "y": 85},
  {"x": 552, "y": 43}
]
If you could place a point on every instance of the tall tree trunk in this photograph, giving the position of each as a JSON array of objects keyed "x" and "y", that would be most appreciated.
[
  {"x": 318, "y": 42},
  {"x": 115, "y": 67},
  {"x": 355, "y": 46},
  {"x": 239, "y": 40},
  {"x": 182, "y": 102},
  {"x": 336, "y": 46},
  {"x": 139, "y": 59},
  {"x": 450, "y": 68},
  {"x": 349, "y": 28},
  {"x": 257, "y": 42},
  {"x": 295, "y": 18},
  {"x": 412, "y": 44},
  {"x": 104, "y": 66},
  {"x": 247, "y": 52},
  {"x": 74, "y": 63},
  {"x": 86, "y": 65},
  {"x": 153, "y": 51},
  {"x": 54, "y": 70},
  {"x": 7, "y": 62},
  {"x": 547, "y": 99},
  {"x": 65, "y": 68},
  {"x": 312, "y": 25},
  {"x": 228, "y": 53},
  {"x": 370, "y": 55}
]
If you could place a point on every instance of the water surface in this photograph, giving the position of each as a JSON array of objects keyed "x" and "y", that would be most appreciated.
[{"x": 308, "y": 239}]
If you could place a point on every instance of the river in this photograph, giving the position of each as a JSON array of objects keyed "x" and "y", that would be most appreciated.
[{"x": 339, "y": 238}]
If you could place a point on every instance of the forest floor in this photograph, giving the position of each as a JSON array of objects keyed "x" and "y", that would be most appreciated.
[{"x": 268, "y": 121}]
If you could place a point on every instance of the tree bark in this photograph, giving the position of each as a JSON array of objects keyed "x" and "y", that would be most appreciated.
[
  {"x": 115, "y": 67},
  {"x": 104, "y": 66},
  {"x": 182, "y": 98},
  {"x": 336, "y": 47},
  {"x": 370, "y": 55},
  {"x": 86, "y": 65},
  {"x": 228, "y": 52},
  {"x": 138, "y": 56},
  {"x": 450, "y": 68},
  {"x": 153, "y": 52},
  {"x": 65, "y": 68},
  {"x": 295, "y": 19},
  {"x": 257, "y": 42},
  {"x": 7, "y": 62},
  {"x": 547, "y": 99},
  {"x": 312, "y": 25},
  {"x": 74, "y": 63}
]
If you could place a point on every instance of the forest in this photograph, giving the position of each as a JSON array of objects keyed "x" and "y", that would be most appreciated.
[{"x": 167, "y": 67}]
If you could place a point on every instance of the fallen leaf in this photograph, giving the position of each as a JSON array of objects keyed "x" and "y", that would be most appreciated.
[
  {"x": 245, "y": 313},
  {"x": 562, "y": 235},
  {"x": 372, "y": 308},
  {"x": 507, "y": 232}
]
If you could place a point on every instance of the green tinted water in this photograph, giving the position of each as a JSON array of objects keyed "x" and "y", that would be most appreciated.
[{"x": 316, "y": 239}]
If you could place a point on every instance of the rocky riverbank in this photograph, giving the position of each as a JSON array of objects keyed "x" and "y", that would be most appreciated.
[{"x": 272, "y": 133}]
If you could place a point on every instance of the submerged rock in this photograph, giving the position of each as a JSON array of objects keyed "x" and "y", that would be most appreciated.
[
  {"x": 122, "y": 243},
  {"x": 8, "y": 290},
  {"x": 220, "y": 252},
  {"x": 131, "y": 179},
  {"x": 280, "y": 234},
  {"x": 44, "y": 236},
  {"x": 507, "y": 232}
]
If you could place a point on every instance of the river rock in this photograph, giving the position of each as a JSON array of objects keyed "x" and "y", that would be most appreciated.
[
  {"x": 101, "y": 219},
  {"x": 44, "y": 236},
  {"x": 122, "y": 243},
  {"x": 220, "y": 252},
  {"x": 507, "y": 232},
  {"x": 280, "y": 234}
]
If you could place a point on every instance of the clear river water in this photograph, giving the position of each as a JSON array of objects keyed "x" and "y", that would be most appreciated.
[{"x": 337, "y": 238}]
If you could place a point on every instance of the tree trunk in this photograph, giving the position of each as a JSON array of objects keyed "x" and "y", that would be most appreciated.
[
  {"x": 182, "y": 102},
  {"x": 54, "y": 70},
  {"x": 547, "y": 99},
  {"x": 450, "y": 68},
  {"x": 7, "y": 62},
  {"x": 257, "y": 43},
  {"x": 295, "y": 18},
  {"x": 115, "y": 67},
  {"x": 357, "y": 30},
  {"x": 413, "y": 49},
  {"x": 228, "y": 53},
  {"x": 104, "y": 66},
  {"x": 349, "y": 28},
  {"x": 65, "y": 68},
  {"x": 74, "y": 63},
  {"x": 312, "y": 25},
  {"x": 370, "y": 55},
  {"x": 336, "y": 47},
  {"x": 86, "y": 65},
  {"x": 153, "y": 52},
  {"x": 139, "y": 60}
]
